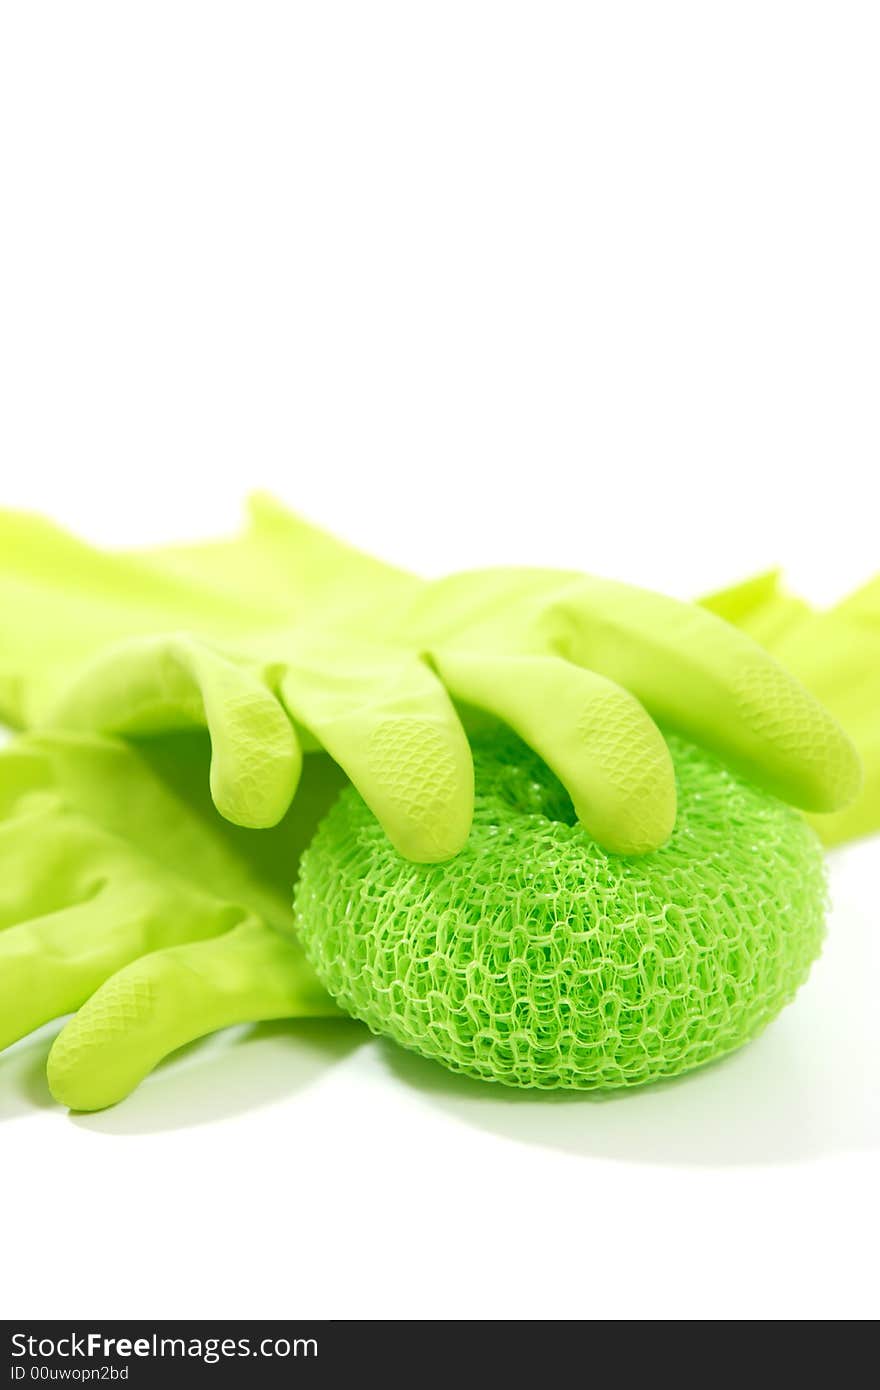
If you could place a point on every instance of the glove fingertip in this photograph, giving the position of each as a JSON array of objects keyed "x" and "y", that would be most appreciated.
[
  {"x": 75, "y": 1088},
  {"x": 808, "y": 754},
  {"x": 430, "y": 842},
  {"x": 640, "y": 827},
  {"x": 628, "y": 802},
  {"x": 89, "y": 1066},
  {"x": 253, "y": 782},
  {"x": 418, "y": 778}
]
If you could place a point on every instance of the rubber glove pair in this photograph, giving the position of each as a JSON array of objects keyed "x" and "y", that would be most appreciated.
[
  {"x": 285, "y": 639},
  {"x": 149, "y": 911},
  {"x": 125, "y": 896}
]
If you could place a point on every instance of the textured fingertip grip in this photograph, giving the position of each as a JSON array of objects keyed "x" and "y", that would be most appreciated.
[
  {"x": 822, "y": 768},
  {"x": 256, "y": 762},
  {"x": 420, "y": 784},
  {"x": 92, "y": 1063},
  {"x": 631, "y": 760},
  {"x": 390, "y": 724}
]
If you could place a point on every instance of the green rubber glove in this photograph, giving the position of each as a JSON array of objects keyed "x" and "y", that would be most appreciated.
[
  {"x": 125, "y": 897},
  {"x": 285, "y": 639},
  {"x": 836, "y": 653}
]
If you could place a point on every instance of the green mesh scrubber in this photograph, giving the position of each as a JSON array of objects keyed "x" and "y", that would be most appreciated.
[{"x": 537, "y": 959}]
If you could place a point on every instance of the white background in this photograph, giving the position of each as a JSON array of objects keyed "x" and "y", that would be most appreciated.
[{"x": 594, "y": 285}]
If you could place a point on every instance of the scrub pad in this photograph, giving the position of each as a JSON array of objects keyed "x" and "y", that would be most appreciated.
[{"x": 535, "y": 958}]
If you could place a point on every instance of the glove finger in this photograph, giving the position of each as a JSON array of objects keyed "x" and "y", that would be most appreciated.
[
  {"x": 695, "y": 673},
  {"x": 394, "y": 731},
  {"x": 50, "y": 965},
  {"x": 165, "y": 1000},
  {"x": 836, "y": 653},
  {"x": 155, "y": 684},
  {"x": 604, "y": 748}
]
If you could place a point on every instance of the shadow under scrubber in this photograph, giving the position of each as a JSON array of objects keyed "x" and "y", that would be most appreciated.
[{"x": 536, "y": 959}]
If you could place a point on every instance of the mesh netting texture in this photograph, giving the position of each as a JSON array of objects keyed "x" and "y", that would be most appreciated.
[{"x": 535, "y": 958}]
